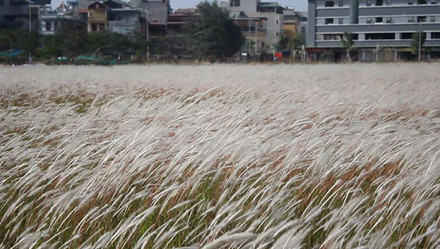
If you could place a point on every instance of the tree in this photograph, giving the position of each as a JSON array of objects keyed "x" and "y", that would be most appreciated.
[
  {"x": 215, "y": 36},
  {"x": 293, "y": 43},
  {"x": 73, "y": 39},
  {"x": 348, "y": 44},
  {"x": 417, "y": 42},
  {"x": 283, "y": 43}
]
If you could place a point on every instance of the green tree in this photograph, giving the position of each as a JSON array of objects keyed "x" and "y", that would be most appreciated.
[
  {"x": 72, "y": 38},
  {"x": 348, "y": 44},
  {"x": 417, "y": 42},
  {"x": 7, "y": 38},
  {"x": 283, "y": 44},
  {"x": 215, "y": 36},
  {"x": 293, "y": 43}
]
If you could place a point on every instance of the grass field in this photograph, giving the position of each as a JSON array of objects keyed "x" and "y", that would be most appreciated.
[{"x": 222, "y": 156}]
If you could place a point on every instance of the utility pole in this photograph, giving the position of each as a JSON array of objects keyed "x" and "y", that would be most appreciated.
[
  {"x": 29, "y": 32},
  {"x": 255, "y": 36},
  {"x": 148, "y": 36},
  {"x": 249, "y": 37},
  {"x": 420, "y": 43},
  {"x": 377, "y": 52}
]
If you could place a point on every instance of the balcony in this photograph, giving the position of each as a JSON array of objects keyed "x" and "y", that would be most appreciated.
[
  {"x": 391, "y": 10},
  {"x": 373, "y": 28}
]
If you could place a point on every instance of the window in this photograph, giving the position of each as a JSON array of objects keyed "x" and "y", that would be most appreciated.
[
  {"x": 341, "y": 3},
  {"x": 341, "y": 20},
  {"x": 432, "y": 18},
  {"x": 379, "y": 19},
  {"x": 329, "y": 37},
  {"x": 329, "y": 21},
  {"x": 329, "y": 3},
  {"x": 48, "y": 26},
  {"x": 276, "y": 21},
  {"x": 369, "y": 20},
  {"x": 421, "y": 19},
  {"x": 410, "y": 2},
  {"x": 433, "y": 1},
  {"x": 235, "y": 3},
  {"x": 380, "y": 36},
  {"x": 94, "y": 27},
  {"x": 406, "y": 36},
  {"x": 101, "y": 27},
  {"x": 411, "y": 19},
  {"x": 435, "y": 35},
  {"x": 368, "y": 2},
  {"x": 422, "y": 2},
  {"x": 389, "y": 20},
  {"x": 388, "y": 2},
  {"x": 379, "y": 2}
]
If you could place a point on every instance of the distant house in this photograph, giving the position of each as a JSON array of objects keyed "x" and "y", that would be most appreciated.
[
  {"x": 127, "y": 21},
  {"x": 261, "y": 16},
  {"x": 97, "y": 17},
  {"x": 181, "y": 17},
  {"x": 292, "y": 22},
  {"x": 51, "y": 21},
  {"x": 159, "y": 9},
  {"x": 254, "y": 29}
]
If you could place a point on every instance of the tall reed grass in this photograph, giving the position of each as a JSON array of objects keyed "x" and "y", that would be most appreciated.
[{"x": 222, "y": 156}]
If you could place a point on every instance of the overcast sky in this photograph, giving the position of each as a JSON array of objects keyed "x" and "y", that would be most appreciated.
[{"x": 175, "y": 4}]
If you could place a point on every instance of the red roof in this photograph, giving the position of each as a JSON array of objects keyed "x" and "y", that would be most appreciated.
[{"x": 85, "y": 10}]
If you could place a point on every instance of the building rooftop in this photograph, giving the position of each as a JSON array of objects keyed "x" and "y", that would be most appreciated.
[
  {"x": 40, "y": 2},
  {"x": 269, "y": 5}
]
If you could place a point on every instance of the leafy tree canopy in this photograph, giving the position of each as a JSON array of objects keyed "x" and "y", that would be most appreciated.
[{"x": 216, "y": 36}]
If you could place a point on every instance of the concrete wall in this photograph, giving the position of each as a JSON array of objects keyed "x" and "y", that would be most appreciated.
[
  {"x": 246, "y": 6},
  {"x": 158, "y": 9},
  {"x": 311, "y": 24},
  {"x": 128, "y": 23}
]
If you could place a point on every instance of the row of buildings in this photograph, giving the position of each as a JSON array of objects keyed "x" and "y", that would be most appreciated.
[
  {"x": 380, "y": 28},
  {"x": 262, "y": 23}
]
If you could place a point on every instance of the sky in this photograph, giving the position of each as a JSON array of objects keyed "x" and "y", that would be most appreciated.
[{"x": 299, "y": 5}]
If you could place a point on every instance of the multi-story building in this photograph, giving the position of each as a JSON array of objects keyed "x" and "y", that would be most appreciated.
[
  {"x": 51, "y": 21},
  {"x": 262, "y": 17},
  {"x": 116, "y": 16},
  {"x": 292, "y": 22},
  {"x": 375, "y": 25},
  {"x": 159, "y": 9},
  {"x": 15, "y": 13},
  {"x": 157, "y": 15},
  {"x": 97, "y": 17}
]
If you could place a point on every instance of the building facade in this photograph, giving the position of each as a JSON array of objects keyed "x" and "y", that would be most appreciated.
[
  {"x": 292, "y": 22},
  {"x": 159, "y": 9},
  {"x": 97, "y": 17},
  {"x": 263, "y": 17},
  {"x": 15, "y": 13},
  {"x": 375, "y": 24}
]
